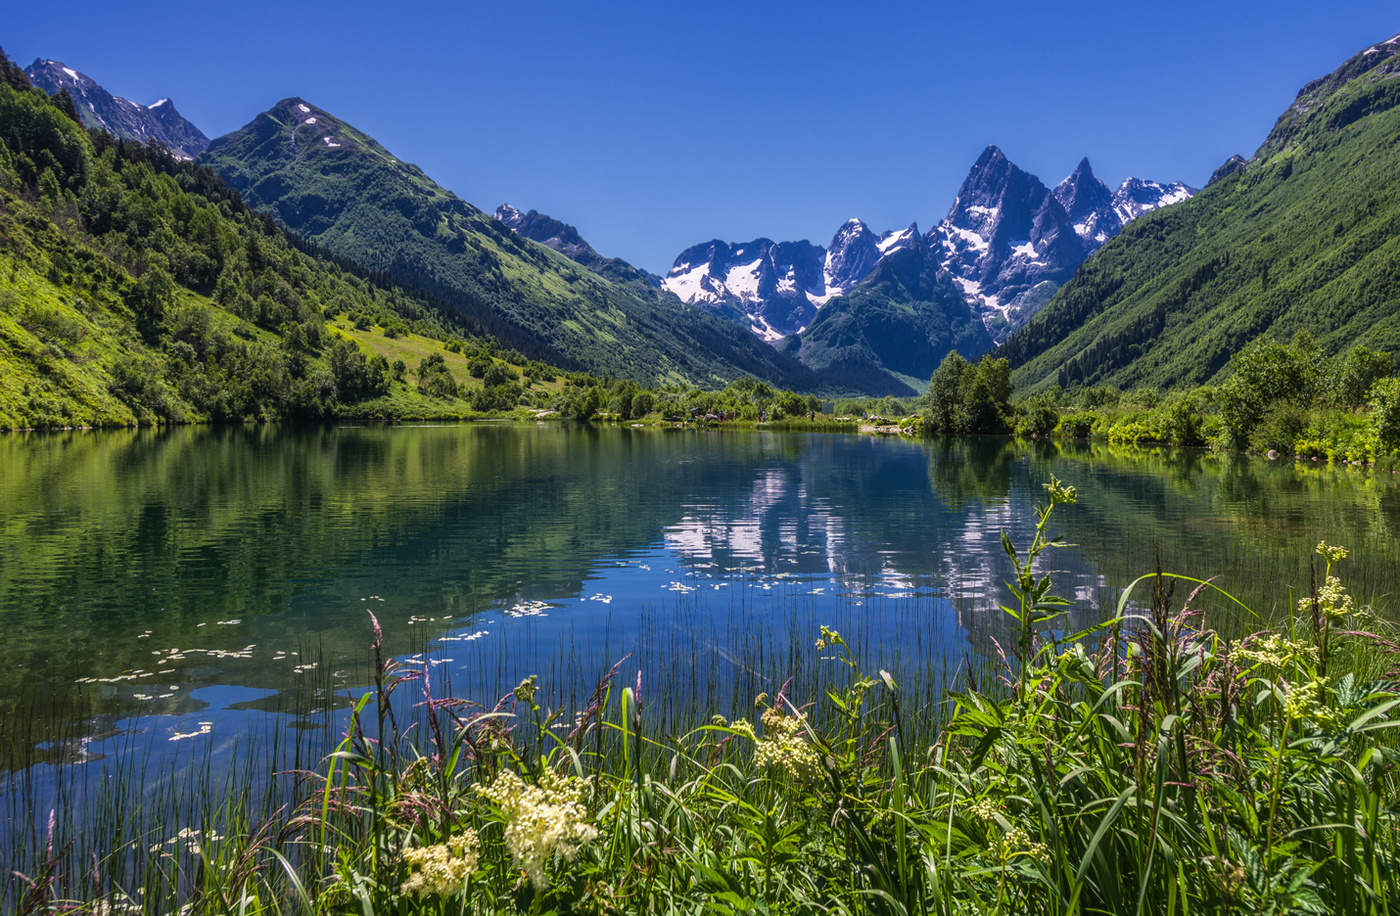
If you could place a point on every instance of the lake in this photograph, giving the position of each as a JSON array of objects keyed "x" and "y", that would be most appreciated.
[{"x": 167, "y": 593}]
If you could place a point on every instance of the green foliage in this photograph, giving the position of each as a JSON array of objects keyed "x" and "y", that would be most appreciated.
[
  {"x": 1385, "y": 413},
  {"x": 892, "y": 329},
  {"x": 965, "y": 398},
  {"x": 360, "y": 202},
  {"x": 434, "y": 378},
  {"x": 138, "y": 289},
  {"x": 1305, "y": 237},
  {"x": 1351, "y": 376}
]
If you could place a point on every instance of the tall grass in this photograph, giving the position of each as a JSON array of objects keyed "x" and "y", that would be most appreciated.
[{"x": 1144, "y": 764}]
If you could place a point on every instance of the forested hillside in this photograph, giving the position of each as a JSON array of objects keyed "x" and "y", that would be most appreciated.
[
  {"x": 137, "y": 288},
  {"x": 1305, "y": 236},
  {"x": 336, "y": 185}
]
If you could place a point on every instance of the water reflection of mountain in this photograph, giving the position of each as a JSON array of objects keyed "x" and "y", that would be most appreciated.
[{"x": 116, "y": 548}]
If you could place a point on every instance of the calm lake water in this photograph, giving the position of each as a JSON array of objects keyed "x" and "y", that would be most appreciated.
[{"x": 167, "y": 593}]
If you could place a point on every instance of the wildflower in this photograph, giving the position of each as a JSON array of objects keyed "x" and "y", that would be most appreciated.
[
  {"x": 983, "y": 808},
  {"x": 1300, "y": 703},
  {"x": 525, "y": 691},
  {"x": 782, "y": 748},
  {"x": 829, "y": 639},
  {"x": 1332, "y": 598},
  {"x": 1061, "y": 492},
  {"x": 1017, "y": 844},
  {"x": 1332, "y": 554},
  {"x": 442, "y": 869},
  {"x": 1272, "y": 650},
  {"x": 544, "y": 822}
]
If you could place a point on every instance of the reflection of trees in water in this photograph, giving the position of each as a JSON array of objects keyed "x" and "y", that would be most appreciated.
[
  {"x": 104, "y": 536},
  {"x": 1250, "y": 522}
]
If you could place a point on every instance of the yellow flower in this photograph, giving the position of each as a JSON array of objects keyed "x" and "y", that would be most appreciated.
[
  {"x": 544, "y": 822},
  {"x": 1332, "y": 599},
  {"x": 1301, "y": 703},
  {"x": 1273, "y": 650},
  {"x": 442, "y": 869},
  {"x": 1333, "y": 554}
]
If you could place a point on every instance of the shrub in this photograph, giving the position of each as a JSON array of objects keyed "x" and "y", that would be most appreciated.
[{"x": 1385, "y": 413}]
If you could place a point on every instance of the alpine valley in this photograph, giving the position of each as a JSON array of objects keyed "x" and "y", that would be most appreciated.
[{"x": 1079, "y": 283}]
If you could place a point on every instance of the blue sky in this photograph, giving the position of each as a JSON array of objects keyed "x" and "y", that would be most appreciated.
[{"x": 653, "y": 126}]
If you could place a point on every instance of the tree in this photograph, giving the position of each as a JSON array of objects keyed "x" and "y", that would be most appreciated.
[
  {"x": 1263, "y": 374},
  {"x": 435, "y": 379},
  {"x": 945, "y": 392}
]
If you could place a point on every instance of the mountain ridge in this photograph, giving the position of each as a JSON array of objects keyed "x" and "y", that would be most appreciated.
[
  {"x": 158, "y": 122},
  {"x": 1303, "y": 236},
  {"x": 340, "y": 188}
]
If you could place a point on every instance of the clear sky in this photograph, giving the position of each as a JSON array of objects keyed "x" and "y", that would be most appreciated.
[{"x": 652, "y": 125}]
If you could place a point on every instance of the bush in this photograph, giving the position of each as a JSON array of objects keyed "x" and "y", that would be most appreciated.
[
  {"x": 1279, "y": 430},
  {"x": 435, "y": 379},
  {"x": 1385, "y": 413},
  {"x": 1077, "y": 426}
]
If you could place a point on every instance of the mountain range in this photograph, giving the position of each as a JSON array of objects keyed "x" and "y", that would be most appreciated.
[
  {"x": 1007, "y": 243},
  {"x": 336, "y": 186},
  {"x": 1079, "y": 283},
  {"x": 158, "y": 122}
]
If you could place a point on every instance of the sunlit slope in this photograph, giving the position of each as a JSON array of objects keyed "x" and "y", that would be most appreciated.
[
  {"x": 336, "y": 185},
  {"x": 1304, "y": 237}
]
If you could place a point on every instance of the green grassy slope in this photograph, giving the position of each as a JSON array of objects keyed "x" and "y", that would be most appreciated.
[
  {"x": 1306, "y": 236},
  {"x": 336, "y": 185},
  {"x": 135, "y": 289}
]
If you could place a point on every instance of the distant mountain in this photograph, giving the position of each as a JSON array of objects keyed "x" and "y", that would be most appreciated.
[
  {"x": 158, "y": 122},
  {"x": 890, "y": 332},
  {"x": 565, "y": 239},
  {"x": 335, "y": 185},
  {"x": 1010, "y": 242},
  {"x": 776, "y": 287},
  {"x": 1007, "y": 244},
  {"x": 1303, "y": 236}
]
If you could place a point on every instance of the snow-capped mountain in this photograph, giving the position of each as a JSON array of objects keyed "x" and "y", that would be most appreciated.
[
  {"x": 777, "y": 287},
  {"x": 1009, "y": 241},
  {"x": 158, "y": 122},
  {"x": 1006, "y": 241}
]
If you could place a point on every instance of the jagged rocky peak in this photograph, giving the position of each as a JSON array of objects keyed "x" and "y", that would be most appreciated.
[
  {"x": 158, "y": 122},
  {"x": 777, "y": 287},
  {"x": 853, "y": 253},
  {"x": 546, "y": 230},
  {"x": 1227, "y": 168},
  {"x": 1089, "y": 205},
  {"x": 1009, "y": 242}
]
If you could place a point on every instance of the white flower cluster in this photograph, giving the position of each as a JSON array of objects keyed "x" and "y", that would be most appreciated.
[
  {"x": 782, "y": 749},
  {"x": 1332, "y": 600},
  {"x": 1273, "y": 650},
  {"x": 543, "y": 822},
  {"x": 441, "y": 870}
]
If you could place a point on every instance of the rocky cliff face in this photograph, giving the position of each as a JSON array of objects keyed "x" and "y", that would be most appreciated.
[{"x": 158, "y": 122}]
